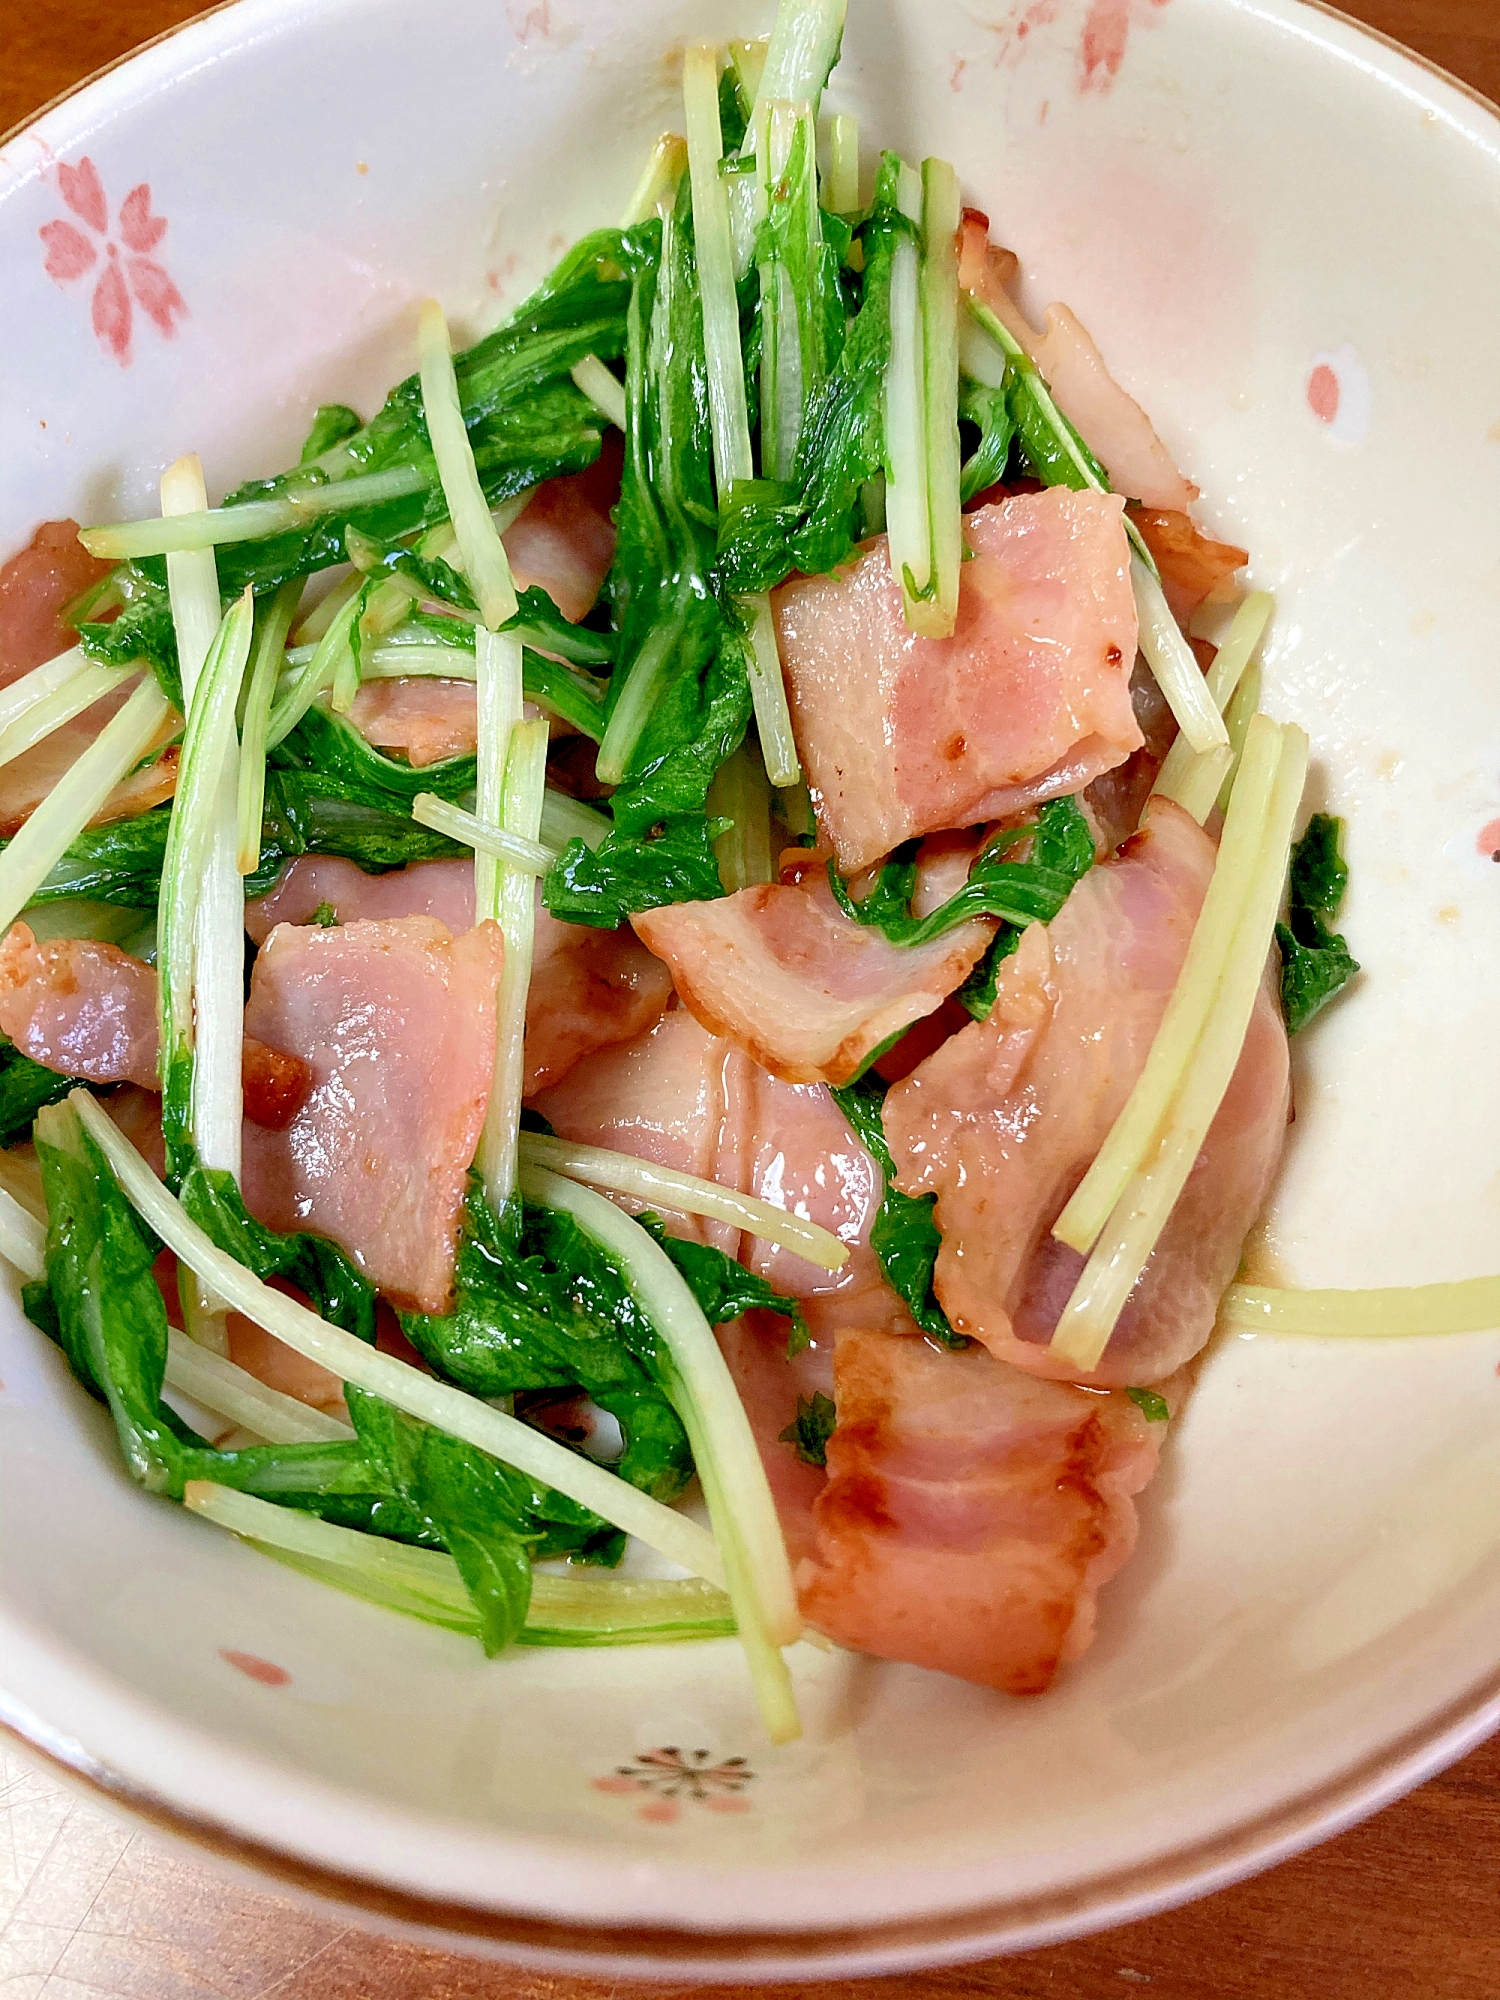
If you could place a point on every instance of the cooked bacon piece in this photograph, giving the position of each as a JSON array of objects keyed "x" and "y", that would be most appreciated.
[
  {"x": 36, "y": 585},
  {"x": 1112, "y": 424},
  {"x": 589, "y": 988},
  {"x": 1028, "y": 699},
  {"x": 770, "y": 1384},
  {"x": 663, "y": 1097},
  {"x": 786, "y": 976},
  {"x": 89, "y": 1009},
  {"x": 26, "y": 780},
  {"x": 1117, "y": 800},
  {"x": 565, "y": 539},
  {"x": 1003, "y": 1121},
  {"x": 425, "y": 718},
  {"x": 276, "y": 1086},
  {"x": 1192, "y": 564},
  {"x": 971, "y": 1513},
  {"x": 281, "y": 1367},
  {"x": 80, "y": 1007},
  {"x": 396, "y": 1021},
  {"x": 441, "y": 889}
]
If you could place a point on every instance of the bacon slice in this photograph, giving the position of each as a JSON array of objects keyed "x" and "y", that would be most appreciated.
[
  {"x": 1028, "y": 699},
  {"x": 663, "y": 1097},
  {"x": 565, "y": 539},
  {"x": 971, "y": 1513},
  {"x": 1112, "y": 424},
  {"x": 396, "y": 1021},
  {"x": 425, "y": 718},
  {"x": 80, "y": 1007},
  {"x": 787, "y": 977},
  {"x": 89, "y": 1009},
  {"x": 1192, "y": 564},
  {"x": 1003, "y": 1121},
  {"x": 36, "y": 585},
  {"x": 1117, "y": 800},
  {"x": 589, "y": 988}
]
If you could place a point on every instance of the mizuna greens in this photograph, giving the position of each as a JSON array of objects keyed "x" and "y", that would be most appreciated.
[{"x": 793, "y": 370}]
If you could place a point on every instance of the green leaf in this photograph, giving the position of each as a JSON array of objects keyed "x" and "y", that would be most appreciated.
[
  {"x": 814, "y": 521},
  {"x": 476, "y": 1506},
  {"x": 813, "y": 1426},
  {"x": 1319, "y": 875},
  {"x": 724, "y": 1288},
  {"x": 1062, "y": 846},
  {"x": 1316, "y": 962},
  {"x": 603, "y": 886},
  {"x": 1151, "y": 1406},
  {"x": 990, "y": 412},
  {"x": 25, "y": 1086},
  {"x": 142, "y": 631},
  {"x": 1019, "y": 892},
  {"x": 539, "y": 1306},
  {"x": 331, "y": 424},
  {"x": 903, "y": 1236}
]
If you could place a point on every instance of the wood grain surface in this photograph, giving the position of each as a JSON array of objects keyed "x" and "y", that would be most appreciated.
[{"x": 1405, "y": 1907}]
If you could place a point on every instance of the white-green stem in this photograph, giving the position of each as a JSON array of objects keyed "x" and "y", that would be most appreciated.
[
  {"x": 92, "y": 681},
  {"x": 1173, "y": 663},
  {"x": 521, "y": 815},
  {"x": 1142, "y": 1212},
  {"x": 1193, "y": 997},
  {"x": 499, "y": 700},
  {"x": 427, "y": 809},
  {"x": 685, "y": 1194},
  {"x": 77, "y": 796},
  {"x": 727, "y": 408},
  {"x": 203, "y": 527},
  {"x": 425, "y": 1583},
  {"x": 773, "y": 717},
  {"x": 729, "y": 1466},
  {"x": 740, "y": 794},
  {"x": 260, "y": 692},
  {"x": 782, "y": 129},
  {"x": 1244, "y": 705},
  {"x": 1470, "y": 1305},
  {"x": 1194, "y": 780},
  {"x": 605, "y": 391},
  {"x": 23, "y": 1240},
  {"x": 216, "y": 1384},
  {"x": 39, "y": 684},
  {"x": 803, "y": 48},
  {"x": 657, "y": 187},
  {"x": 565, "y": 819},
  {"x": 316, "y": 622},
  {"x": 637, "y": 700},
  {"x": 420, "y": 1395},
  {"x": 842, "y": 189},
  {"x": 907, "y": 516},
  {"x": 748, "y": 61},
  {"x": 302, "y": 688},
  {"x": 410, "y": 659},
  {"x": 934, "y": 616},
  {"x": 200, "y": 916},
  {"x": 479, "y": 544}
]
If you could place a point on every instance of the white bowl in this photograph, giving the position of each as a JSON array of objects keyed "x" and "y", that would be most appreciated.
[{"x": 1252, "y": 194}]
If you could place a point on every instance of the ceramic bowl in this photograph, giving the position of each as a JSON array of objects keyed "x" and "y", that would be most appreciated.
[{"x": 1283, "y": 233}]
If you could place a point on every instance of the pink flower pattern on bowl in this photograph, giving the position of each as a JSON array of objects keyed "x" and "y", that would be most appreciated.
[
  {"x": 129, "y": 271},
  {"x": 669, "y": 1776}
]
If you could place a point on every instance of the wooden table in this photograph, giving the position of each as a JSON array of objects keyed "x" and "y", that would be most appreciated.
[{"x": 1406, "y": 1907}]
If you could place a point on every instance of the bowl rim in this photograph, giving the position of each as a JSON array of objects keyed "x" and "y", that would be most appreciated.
[{"x": 1004, "y": 1925}]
